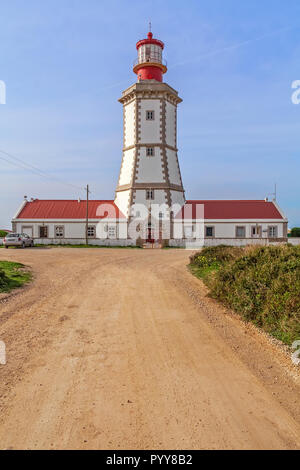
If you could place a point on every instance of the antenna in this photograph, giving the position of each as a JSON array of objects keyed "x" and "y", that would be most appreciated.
[
  {"x": 275, "y": 193},
  {"x": 150, "y": 27}
]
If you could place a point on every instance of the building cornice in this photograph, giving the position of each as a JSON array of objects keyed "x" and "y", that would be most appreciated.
[
  {"x": 150, "y": 89},
  {"x": 168, "y": 186},
  {"x": 139, "y": 145}
]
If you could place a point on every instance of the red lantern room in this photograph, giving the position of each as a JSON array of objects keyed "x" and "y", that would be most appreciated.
[{"x": 150, "y": 64}]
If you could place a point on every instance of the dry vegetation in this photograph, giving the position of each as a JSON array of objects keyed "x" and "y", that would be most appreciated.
[{"x": 262, "y": 284}]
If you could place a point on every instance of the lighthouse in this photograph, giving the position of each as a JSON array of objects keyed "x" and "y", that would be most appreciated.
[{"x": 150, "y": 173}]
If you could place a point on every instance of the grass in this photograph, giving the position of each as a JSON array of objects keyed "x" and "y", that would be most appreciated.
[
  {"x": 262, "y": 284},
  {"x": 13, "y": 275}
]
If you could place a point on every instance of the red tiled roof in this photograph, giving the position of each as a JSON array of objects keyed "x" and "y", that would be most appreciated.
[
  {"x": 234, "y": 209},
  {"x": 69, "y": 209}
]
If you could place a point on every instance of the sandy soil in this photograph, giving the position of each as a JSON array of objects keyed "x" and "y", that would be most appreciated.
[{"x": 123, "y": 349}]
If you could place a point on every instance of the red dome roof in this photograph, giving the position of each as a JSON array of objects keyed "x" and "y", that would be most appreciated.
[{"x": 150, "y": 40}]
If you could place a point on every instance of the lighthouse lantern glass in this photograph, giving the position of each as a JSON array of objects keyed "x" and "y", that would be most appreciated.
[{"x": 149, "y": 53}]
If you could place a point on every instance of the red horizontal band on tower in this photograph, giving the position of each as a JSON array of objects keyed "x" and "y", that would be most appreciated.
[{"x": 146, "y": 72}]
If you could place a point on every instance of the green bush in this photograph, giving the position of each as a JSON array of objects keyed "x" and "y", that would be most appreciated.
[
  {"x": 4, "y": 281},
  {"x": 3, "y": 233},
  {"x": 295, "y": 232},
  {"x": 263, "y": 285},
  {"x": 215, "y": 255}
]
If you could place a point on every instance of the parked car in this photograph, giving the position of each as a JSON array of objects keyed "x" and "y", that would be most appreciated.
[{"x": 18, "y": 239}]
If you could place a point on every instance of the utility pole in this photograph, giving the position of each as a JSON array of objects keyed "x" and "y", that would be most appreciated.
[{"x": 87, "y": 215}]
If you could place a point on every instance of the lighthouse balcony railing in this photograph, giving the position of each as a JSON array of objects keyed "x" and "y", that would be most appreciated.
[{"x": 150, "y": 59}]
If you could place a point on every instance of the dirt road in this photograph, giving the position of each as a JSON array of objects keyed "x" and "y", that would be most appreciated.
[{"x": 122, "y": 349}]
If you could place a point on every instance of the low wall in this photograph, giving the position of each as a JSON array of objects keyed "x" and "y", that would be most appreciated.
[
  {"x": 294, "y": 241},
  {"x": 193, "y": 245},
  {"x": 81, "y": 241}
]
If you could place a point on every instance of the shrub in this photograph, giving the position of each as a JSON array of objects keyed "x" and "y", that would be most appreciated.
[
  {"x": 264, "y": 287},
  {"x": 262, "y": 284},
  {"x": 295, "y": 232},
  {"x": 215, "y": 254},
  {"x": 3, "y": 233},
  {"x": 4, "y": 281}
]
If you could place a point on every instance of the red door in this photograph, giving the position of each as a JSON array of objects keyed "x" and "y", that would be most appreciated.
[{"x": 150, "y": 239}]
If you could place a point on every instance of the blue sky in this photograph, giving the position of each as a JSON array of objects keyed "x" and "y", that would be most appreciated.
[{"x": 65, "y": 64}]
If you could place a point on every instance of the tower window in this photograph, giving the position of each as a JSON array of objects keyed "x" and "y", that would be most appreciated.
[
  {"x": 150, "y": 194},
  {"x": 150, "y": 115},
  {"x": 150, "y": 151}
]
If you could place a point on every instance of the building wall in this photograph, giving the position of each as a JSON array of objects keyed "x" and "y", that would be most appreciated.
[
  {"x": 74, "y": 230},
  {"x": 227, "y": 230},
  {"x": 122, "y": 200},
  {"x": 173, "y": 167},
  {"x": 225, "y": 233},
  {"x": 177, "y": 198},
  {"x": 150, "y": 168},
  {"x": 149, "y": 131},
  {"x": 127, "y": 166},
  {"x": 129, "y": 124},
  {"x": 171, "y": 124}
]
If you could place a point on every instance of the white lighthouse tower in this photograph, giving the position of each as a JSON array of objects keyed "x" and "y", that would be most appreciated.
[{"x": 150, "y": 172}]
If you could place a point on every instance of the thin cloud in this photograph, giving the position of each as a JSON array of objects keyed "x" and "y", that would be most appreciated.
[{"x": 232, "y": 47}]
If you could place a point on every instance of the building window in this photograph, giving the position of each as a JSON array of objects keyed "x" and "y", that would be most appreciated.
[
  {"x": 273, "y": 232},
  {"x": 209, "y": 232},
  {"x": 91, "y": 231},
  {"x": 256, "y": 231},
  {"x": 150, "y": 194},
  {"x": 59, "y": 231},
  {"x": 240, "y": 232},
  {"x": 150, "y": 115},
  {"x": 150, "y": 151},
  {"x": 43, "y": 232},
  {"x": 111, "y": 232}
]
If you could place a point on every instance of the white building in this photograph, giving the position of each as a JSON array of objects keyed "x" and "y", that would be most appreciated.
[{"x": 150, "y": 200}]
